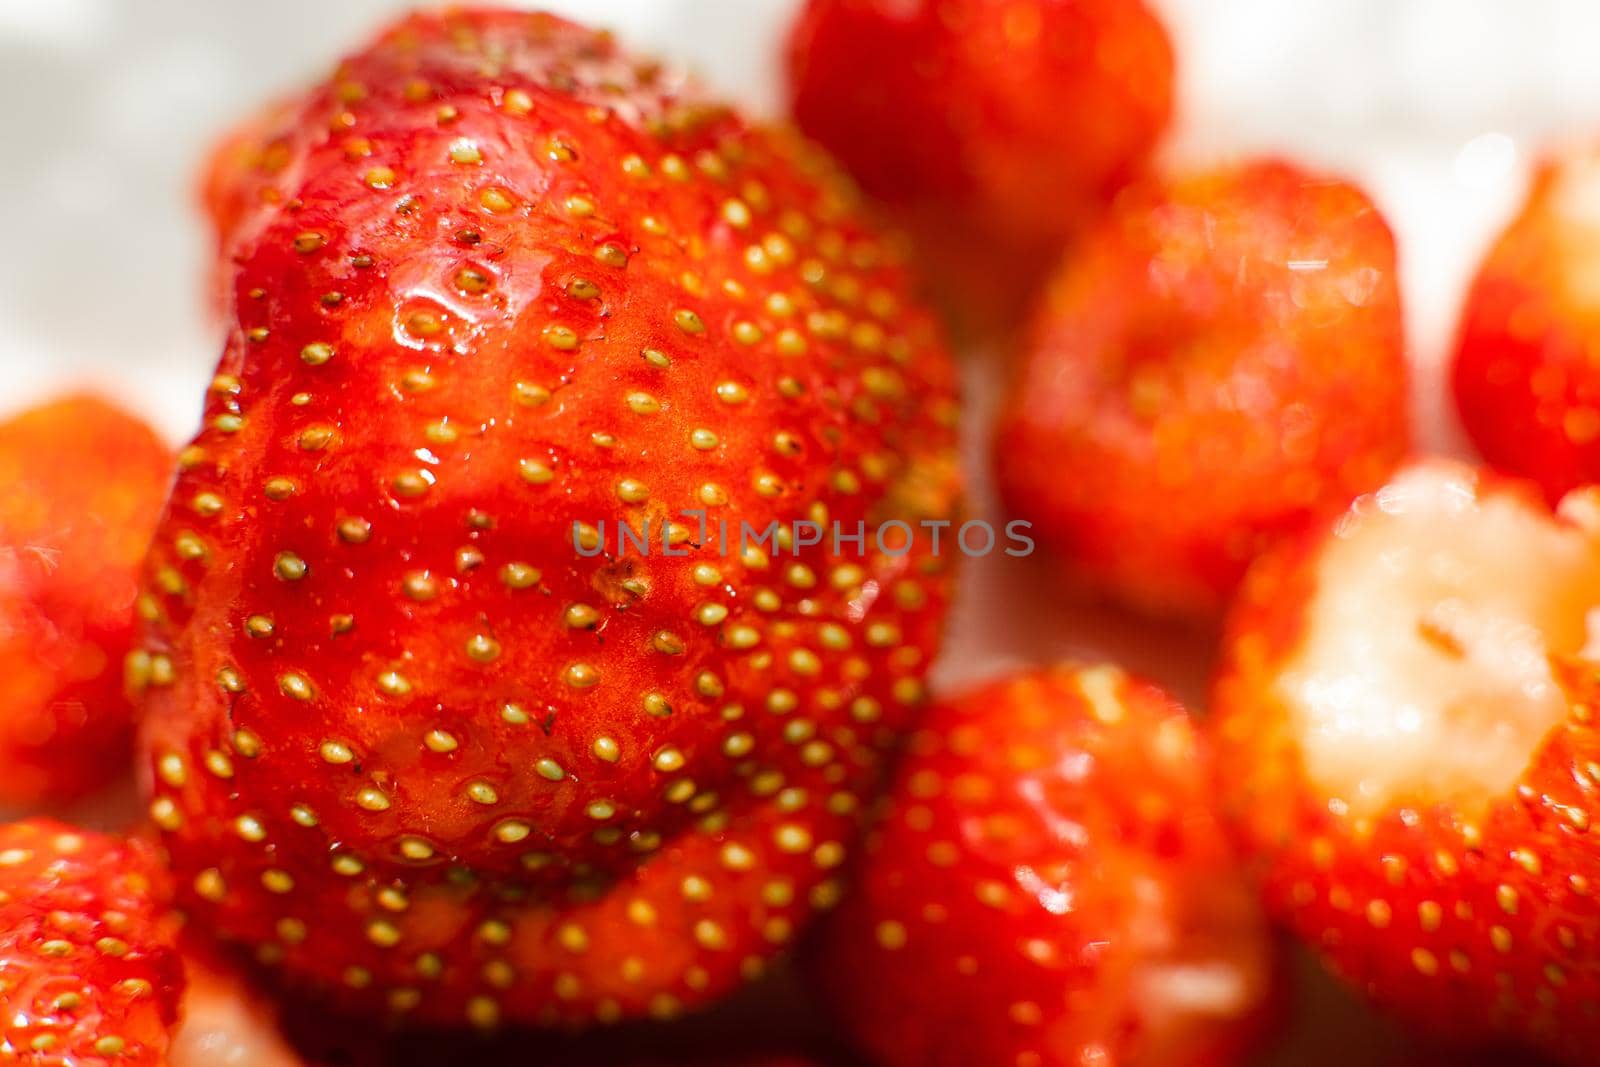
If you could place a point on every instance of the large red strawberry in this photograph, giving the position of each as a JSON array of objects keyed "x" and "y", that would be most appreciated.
[
  {"x": 994, "y": 129},
  {"x": 1048, "y": 887},
  {"x": 81, "y": 486},
  {"x": 88, "y": 972},
  {"x": 419, "y": 730},
  {"x": 1407, "y": 713},
  {"x": 1221, "y": 361},
  {"x": 1526, "y": 382}
]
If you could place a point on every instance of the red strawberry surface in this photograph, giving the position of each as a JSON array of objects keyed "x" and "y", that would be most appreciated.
[
  {"x": 81, "y": 487},
  {"x": 88, "y": 972},
  {"x": 422, "y": 735},
  {"x": 1406, "y": 718},
  {"x": 995, "y": 130},
  {"x": 1219, "y": 363},
  {"x": 1526, "y": 382},
  {"x": 1048, "y": 886}
]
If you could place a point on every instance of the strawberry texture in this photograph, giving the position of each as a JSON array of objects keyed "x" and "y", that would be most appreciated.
[
  {"x": 88, "y": 972},
  {"x": 422, "y": 737}
]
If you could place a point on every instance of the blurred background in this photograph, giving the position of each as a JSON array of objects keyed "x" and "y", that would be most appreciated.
[{"x": 1437, "y": 106}]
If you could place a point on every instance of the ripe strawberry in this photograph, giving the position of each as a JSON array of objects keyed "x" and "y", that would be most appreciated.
[
  {"x": 1047, "y": 886},
  {"x": 996, "y": 131},
  {"x": 81, "y": 485},
  {"x": 88, "y": 972},
  {"x": 1525, "y": 378},
  {"x": 407, "y": 740},
  {"x": 1406, "y": 708},
  {"x": 1221, "y": 361}
]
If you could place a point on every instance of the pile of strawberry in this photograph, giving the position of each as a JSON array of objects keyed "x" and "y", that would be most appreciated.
[{"x": 518, "y": 657}]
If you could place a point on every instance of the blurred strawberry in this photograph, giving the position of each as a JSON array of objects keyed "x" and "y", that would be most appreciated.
[
  {"x": 1048, "y": 886},
  {"x": 1219, "y": 363},
  {"x": 88, "y": 973},
  {"x": 995, "y": 130},
  {"x": 81, "y": 485},
  {"x": 1527, "y": 383},
  {"x": 421, "y": 733},
  {"x": 1406, "y": 708}
]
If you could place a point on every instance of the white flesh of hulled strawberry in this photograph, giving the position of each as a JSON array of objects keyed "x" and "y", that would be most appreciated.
[{"x": 1424, "y": 673}]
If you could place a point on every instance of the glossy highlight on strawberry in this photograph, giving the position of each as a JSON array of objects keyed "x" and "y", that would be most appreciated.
[{"x": 495, "y": 283}]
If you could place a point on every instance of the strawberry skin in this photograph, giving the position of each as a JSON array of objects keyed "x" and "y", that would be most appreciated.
[
  {"x": 88, "y": 972},
  {"x": 1047, "y": 886},
  {"x": 998, "y": 129},
  {"x": 1219, "y": 362},
  {"x": 1524, "y": 374},
  {"x": 503, "y": 287},
  {"x": 1406, "y": 732},
  {"x": 81, "y": 488}
]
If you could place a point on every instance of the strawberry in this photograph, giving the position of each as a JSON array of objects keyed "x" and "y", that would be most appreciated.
[
  {"x": 1219, "y": 363},
  {"x": 1047, "y": 886},
  {"x": 997, "y": 130},
  {"x": 1525, "y": 379},
  {"x": 427, "y": 733},
  {"x": 88, "y": 971},
  {"x": 1406, "y": 718},
  {"x": 81, "y": 486}
]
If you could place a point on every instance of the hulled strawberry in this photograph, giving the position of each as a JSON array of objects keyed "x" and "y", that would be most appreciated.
[
  {"x": 88, "y": 972},
  {"x": 81, "y": 486},
  {"x": 507, "y": 665},
  {"x": 1524, "y": 373},
  {"x": 996, "y": 131},
  {"x": 1048, "y": 886},
  {"x": 1406, "y": 712},
  {"x": 1219, "y": 362}
]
